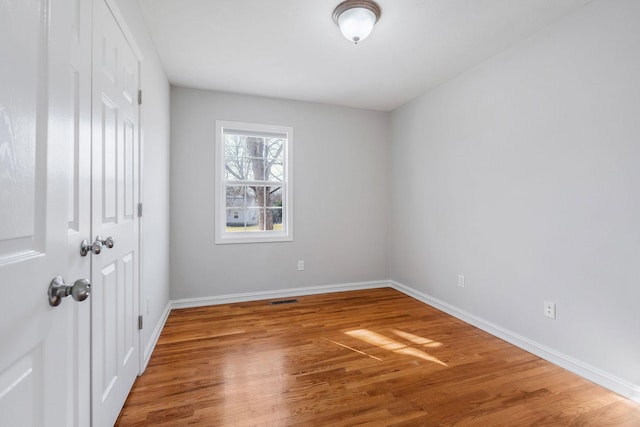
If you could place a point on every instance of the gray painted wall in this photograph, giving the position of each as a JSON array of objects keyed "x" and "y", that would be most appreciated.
[
  {"x": 525, "y": 169},
  {"x": 154, "y": 122},
  {"x": 340, "y": 169}
]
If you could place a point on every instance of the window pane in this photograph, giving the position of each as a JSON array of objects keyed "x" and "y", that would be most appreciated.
[
  {"x": 276, "y": 172},
  {"x": 275, "y": 149},
  {"x": 254, "y": 195},
  {"x": 255, "y": 218},
  {"x": 275, "y": 159},
  {"x": 235, "y": 219},
  {"x": 235, "y": 196},
  {"x": 238, "y": 169},
  {"x": 255, "y": 147},
  {"x": 276, "y": 218},
  {"x": 274, "y": 197},
  {"x": 235, "y": 153},
  {"x": 255, "y": 166},
  {"x": 235, "y": 146}
]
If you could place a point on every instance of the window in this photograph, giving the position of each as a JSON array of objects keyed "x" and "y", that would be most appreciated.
[{"x": 253, "y": 183}]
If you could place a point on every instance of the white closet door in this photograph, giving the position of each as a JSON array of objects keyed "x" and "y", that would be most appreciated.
[{"x": 114, "y": 320}]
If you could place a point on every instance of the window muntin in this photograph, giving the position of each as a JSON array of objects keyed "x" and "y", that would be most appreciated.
[{"x": 253, "y": 183}]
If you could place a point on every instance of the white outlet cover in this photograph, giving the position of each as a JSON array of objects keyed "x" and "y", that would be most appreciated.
[{"x": 550, "y": 309}]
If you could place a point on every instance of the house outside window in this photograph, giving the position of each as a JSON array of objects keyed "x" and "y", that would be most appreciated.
[{"x": 253, "y": 183}]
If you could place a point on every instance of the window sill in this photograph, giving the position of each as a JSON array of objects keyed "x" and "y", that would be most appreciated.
[{"x": 252, "y": 238}]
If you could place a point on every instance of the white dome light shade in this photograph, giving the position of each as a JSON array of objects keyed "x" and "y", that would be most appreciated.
[
  {"x": 356, "y": 24},
  {"x": 356, "y": 18}
]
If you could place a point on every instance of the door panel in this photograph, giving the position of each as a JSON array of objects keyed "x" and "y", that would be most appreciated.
[
  {"x": 19, "y": 384},
  {"x": 109, "y": 163},
  {"x": 23, "y": 116},
  {"x": 129, "y": 171},
  {"x": 35, "y": 132},
  {"x": 115, "y": 354}
]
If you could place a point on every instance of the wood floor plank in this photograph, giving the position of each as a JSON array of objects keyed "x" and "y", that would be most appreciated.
[{"x": 365, "y": 358}]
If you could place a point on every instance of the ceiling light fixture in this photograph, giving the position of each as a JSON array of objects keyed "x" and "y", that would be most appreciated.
[{"x": 356, "y": 18}]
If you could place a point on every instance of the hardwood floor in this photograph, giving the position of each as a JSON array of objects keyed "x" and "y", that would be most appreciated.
[{"x": 370, "y": 358}]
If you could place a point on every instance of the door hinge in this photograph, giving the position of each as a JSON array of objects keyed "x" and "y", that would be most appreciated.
[
  {"x": 139, "y": 210},
  {"x": 139, "y": 97},
  {"x": 140, "y": 322}
]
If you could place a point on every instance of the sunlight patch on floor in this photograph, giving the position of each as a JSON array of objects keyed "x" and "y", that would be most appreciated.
[{"x": 389, "y": 344}]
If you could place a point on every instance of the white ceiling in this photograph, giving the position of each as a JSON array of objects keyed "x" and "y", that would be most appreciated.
[{"x": 292, "y": 49}]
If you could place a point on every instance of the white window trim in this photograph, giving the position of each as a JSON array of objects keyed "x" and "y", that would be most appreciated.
[{"x": 221, "y": 235}]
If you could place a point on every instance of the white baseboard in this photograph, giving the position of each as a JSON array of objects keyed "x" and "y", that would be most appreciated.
[
  {"x": 284, "y": 293},
  {"x": 151, "y": 345},
  {"x": 593, "y": 374}
]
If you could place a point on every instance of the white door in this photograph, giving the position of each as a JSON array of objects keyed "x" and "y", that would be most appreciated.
[
  {"x": 79, "y": 210},
  {"x": 36, "y": 126},
  {"x": 114, "y": 317}
]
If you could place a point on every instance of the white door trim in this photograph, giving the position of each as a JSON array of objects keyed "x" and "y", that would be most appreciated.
[{"x": 119, "y": 17}]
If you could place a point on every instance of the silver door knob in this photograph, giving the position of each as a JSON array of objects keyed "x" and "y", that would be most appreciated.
[
  {"x": 86, "y": 247},
  {"x": 79, "y": 291},
  {"x": 108, "y": 242}
]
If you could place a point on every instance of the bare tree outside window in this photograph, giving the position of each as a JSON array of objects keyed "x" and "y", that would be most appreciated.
[{"x": 257, "y": 163}]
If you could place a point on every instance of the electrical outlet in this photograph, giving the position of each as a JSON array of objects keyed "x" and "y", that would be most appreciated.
[
  {"x": 461, "y": 280},
  {"x": 550, "y": 309},
  {"x": 301, "y": 265}
]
